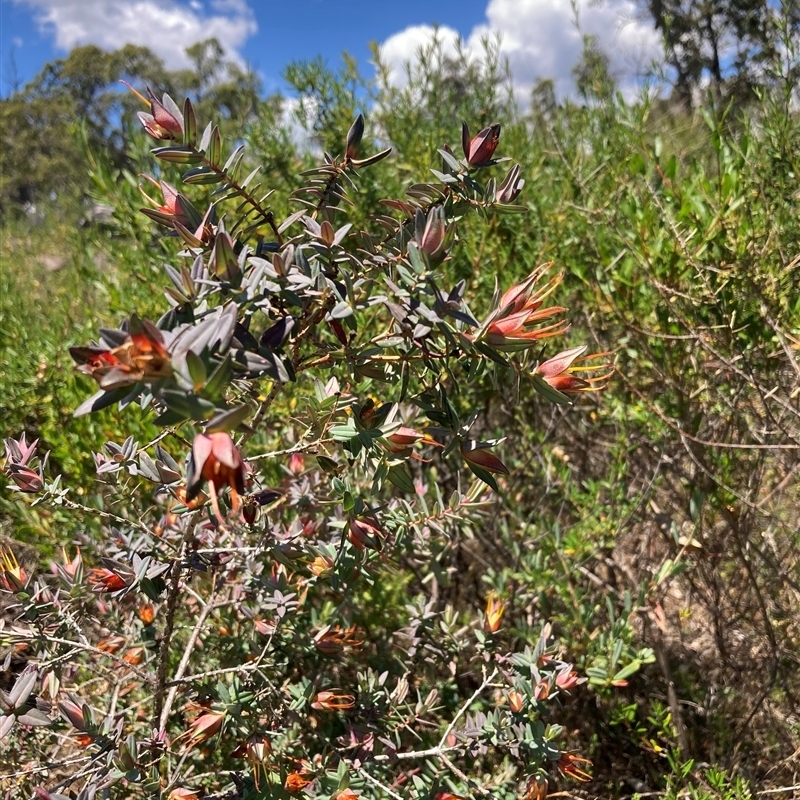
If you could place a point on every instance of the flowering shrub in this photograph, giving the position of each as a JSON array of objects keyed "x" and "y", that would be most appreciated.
[{"x": 237, "y": 631}]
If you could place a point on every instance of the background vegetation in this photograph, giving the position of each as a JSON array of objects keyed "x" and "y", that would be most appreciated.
[{"x": 654, "y": 525}]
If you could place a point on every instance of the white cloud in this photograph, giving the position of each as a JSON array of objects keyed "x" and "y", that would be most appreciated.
[
  {"x": 541, "y": 40},
  {"x": 17, "y": 41},
  {"x": 167, "y": 27},
  {"x": 403, "y": 47}
]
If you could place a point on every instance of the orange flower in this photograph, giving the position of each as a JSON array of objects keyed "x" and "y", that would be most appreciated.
[
  {"x": 295, "y": 782},
  {"x": 516, "y": 702},
  {"x": 141, "y": 357},
  {"x": 559, "y": 371},
  {"x": 134, "y": 656},
  {"x": 495, "y": 608},
  {"x": 203, "y": 728},
  {"x": 346, "y": 794},
  {"x": 147, "y": 613},
  {"x": 332, "y": 640},
  {"x": 215, "y": 459},
  {"x": 257, "y": 751},
  {"x": 111, "y": 644},
  {"x": 514, "y": 325},
  {"x": 329, "y": 701},
  {"x": 12, "y": 576},
  {"x": 108, "y": 580},
  {"x": 567, "y": 764},
  {"x": 322, "y": 566},
  {"x": 184, "y": 794},
  {"x": 536, "y": 788}
]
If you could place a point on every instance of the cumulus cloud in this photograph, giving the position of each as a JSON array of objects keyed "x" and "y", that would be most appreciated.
[
  {"x": 167, "y": 27},
  {"x": 541, "y": 40},
  {"x": 402, "y": 47}
]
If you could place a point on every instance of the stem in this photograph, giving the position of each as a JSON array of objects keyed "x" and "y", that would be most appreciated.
[
  {"x": 265, "y": 213},
  {"x": 166, "y": 638}
]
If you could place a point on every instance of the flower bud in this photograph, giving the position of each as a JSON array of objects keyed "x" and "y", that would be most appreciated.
[{"x": 480, "y": 149}]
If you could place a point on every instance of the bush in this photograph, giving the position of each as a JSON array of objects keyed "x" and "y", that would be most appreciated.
[{"x": 260, "y": 614}]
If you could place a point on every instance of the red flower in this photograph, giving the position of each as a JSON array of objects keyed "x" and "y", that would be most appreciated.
[
  {"x": 108, "y": 580},
  {"x": 141, "y": 357},
  {"x": 13, "y": 577},
  {"x": 559, "y": 371},
  {"x": 215, "y": 459},
  {"x": 165, "y": 120},
  {"x": 567, "y": 765},
  {"x": 332, "y": 640},
  {"x": 514, "y": 325},
  {"x": 480, "y": 149},
  {"x": 175, "y": 207},
  {"x": 203, "y": 728}
]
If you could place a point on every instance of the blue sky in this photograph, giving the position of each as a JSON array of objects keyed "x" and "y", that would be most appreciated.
[{"x": 540, "y": 37}]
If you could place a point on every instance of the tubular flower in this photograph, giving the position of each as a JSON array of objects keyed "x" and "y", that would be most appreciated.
[
  {"x": 516, "y": 701},
  {"x": 203, "y": 728},
  {"x": 559, "y": 371},
  {"x": 215, "y": 459},
  {"x": 478, "y": 150},
  {"x": 567, "y": 765},
  {"x": 141, "y": 357},
  {"x": 401, "y": 441},
  {"x": 322, "y": 566},
  {"x": 165, "y": 120},
  {"x": 184, "y": 794},
  {"x": 257, "y": 751},
  {"x": 175, "y": 207},
  {"x": 495, "y": 608},
  {"x": 295, "y": 782},
  {"x": 536, "y": 788},
  {"x": 13, "y": 577},
  {"x": 567, "y": 678},
  {"x": 515, "y": 325},
  {"x": 329, "y": 701},
  {"x": 332, "y": 640},
  {"x": 104, "y": 580}
]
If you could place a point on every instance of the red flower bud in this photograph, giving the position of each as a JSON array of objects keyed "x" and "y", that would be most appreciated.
[{"x": 480, "y": 149}]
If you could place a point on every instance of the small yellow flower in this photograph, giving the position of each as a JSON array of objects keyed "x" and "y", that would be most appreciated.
[{"x": 495, "y": 608}]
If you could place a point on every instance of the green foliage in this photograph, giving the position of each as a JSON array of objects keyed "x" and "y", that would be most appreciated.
[{"x": 653, "y": 526}]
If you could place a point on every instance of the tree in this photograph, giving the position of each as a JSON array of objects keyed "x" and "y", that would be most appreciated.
[{"x": 732, "y": 44}]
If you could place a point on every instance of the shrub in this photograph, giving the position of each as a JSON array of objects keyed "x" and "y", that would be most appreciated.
[{"x": 260, "y": 616}]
